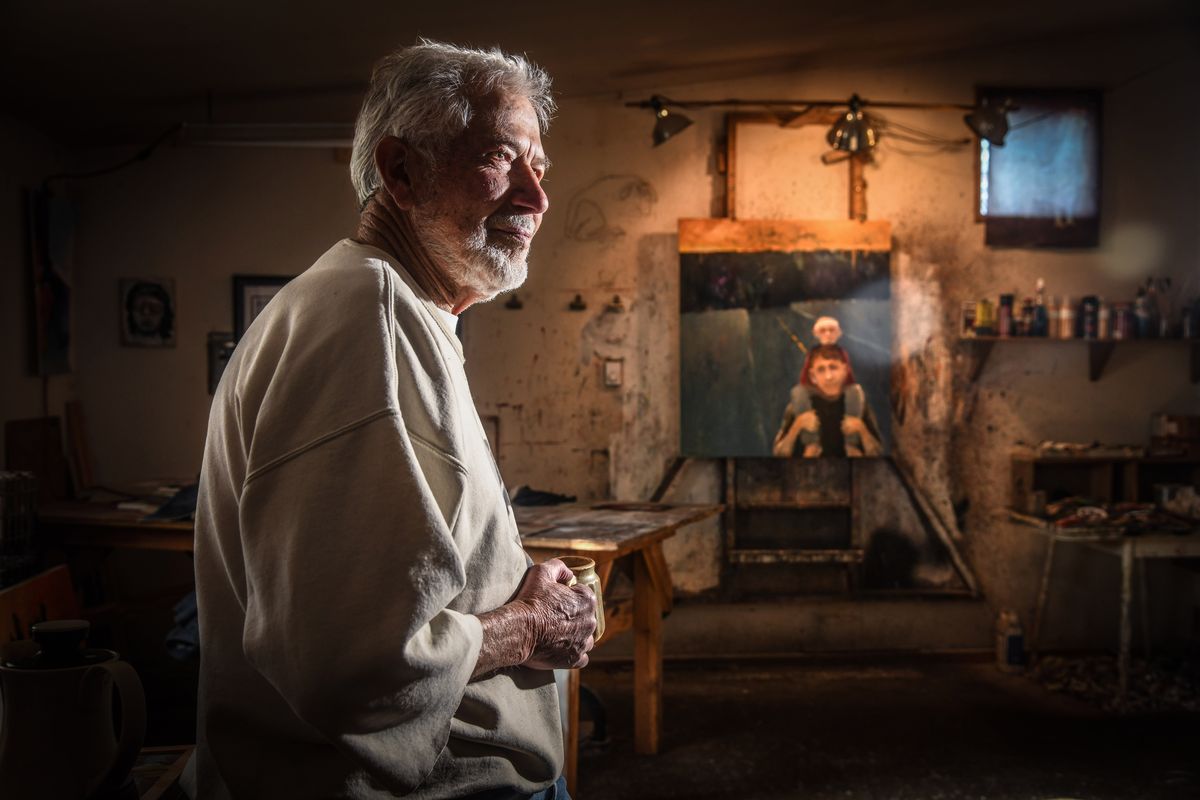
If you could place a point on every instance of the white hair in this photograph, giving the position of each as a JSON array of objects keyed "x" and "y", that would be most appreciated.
[{"x": 425, "y": 95}]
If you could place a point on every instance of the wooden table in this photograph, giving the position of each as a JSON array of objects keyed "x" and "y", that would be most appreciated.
[
  {"x": 77, "y": 524},
  {"x": 1131, "y": 550},
  {"x": 618, "y": 536}
]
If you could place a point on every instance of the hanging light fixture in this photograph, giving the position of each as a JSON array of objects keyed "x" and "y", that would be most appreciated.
[
  {"x": 854, "y": 132},
  {"x": 990, "y": 122},
  {"x": 666, "y": 124}
]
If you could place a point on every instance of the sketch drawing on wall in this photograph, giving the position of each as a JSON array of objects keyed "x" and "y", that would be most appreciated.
[
  {"x": 590, "y": 208},
  {"x": 785, "y": 338}
]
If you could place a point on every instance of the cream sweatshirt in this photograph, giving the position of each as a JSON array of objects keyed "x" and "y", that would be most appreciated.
[{"x": 351, "y": 521}]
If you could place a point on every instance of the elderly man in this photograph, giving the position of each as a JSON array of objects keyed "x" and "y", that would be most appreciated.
[{"x": 370, "y": 625}]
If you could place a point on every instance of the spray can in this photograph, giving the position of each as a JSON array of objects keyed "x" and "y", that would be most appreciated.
[{"x": 1010, "y": 642}]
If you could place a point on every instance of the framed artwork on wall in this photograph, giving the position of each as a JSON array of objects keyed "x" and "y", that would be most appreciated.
[
  {"x": 1041, "y": 187},
  {"x": 251, "y": 293},
  {"x": 52, "y": 223},
  {"x": 147, "y": 312},
  {"x": 785, "y": 338}
]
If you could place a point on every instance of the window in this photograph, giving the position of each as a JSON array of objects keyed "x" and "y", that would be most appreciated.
[{"x": 1041, "y": 188}]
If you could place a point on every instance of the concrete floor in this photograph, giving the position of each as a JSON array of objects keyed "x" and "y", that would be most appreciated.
[{"x": 894, "y": 730}]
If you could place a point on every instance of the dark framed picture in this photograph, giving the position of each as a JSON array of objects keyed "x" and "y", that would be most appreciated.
[
  {"x": 147, "y": 312},
  {"x": 251, "y": 293},
  {"x": 220, "y": 350}
]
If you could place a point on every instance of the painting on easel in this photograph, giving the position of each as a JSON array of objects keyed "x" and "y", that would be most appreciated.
[{"x": 785, "y": 338}]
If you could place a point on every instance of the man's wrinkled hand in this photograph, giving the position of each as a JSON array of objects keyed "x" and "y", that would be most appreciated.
[{"x": 563, "y": 617}]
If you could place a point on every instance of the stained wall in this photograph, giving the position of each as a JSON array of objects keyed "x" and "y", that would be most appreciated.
[
  {"x": 201, "y": 216},
  {"x": 622, "y": 201}
]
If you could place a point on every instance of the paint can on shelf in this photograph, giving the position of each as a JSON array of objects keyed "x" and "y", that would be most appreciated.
[
  {"x": 968, "y": 318},
  {"x": 1010, "y": 642},
  {"x": 1122, "y": 321}
]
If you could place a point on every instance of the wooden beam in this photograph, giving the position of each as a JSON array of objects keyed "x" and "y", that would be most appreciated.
[
  {"x": 795, "y": 556},
  {"x": 947, "y": 532},
  {"x": 858, "y": 189},
  {"x": 818, "y": 115},
  {"x": 731, "y": 123},
  {"x": 664, "y": 486},
  {"x": 788, "y": 236}
]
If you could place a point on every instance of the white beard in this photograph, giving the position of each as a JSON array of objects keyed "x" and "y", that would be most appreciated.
[{"x": 473, "y": 263}]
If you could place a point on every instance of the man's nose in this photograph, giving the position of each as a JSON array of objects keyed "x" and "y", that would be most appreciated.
[{"x": 527, "y": 193}]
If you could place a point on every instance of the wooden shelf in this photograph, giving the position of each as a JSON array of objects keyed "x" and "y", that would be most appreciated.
[
  {"x": 832, "y": 504},
  {"x": 1099, "y": 351},
  {"x": 795, "y": 556}
]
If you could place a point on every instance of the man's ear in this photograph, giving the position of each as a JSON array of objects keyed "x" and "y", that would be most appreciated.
[{"x": 392, "y": 160}]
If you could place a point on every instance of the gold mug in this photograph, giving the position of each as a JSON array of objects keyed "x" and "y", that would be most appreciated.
[{"x": 583, "y": 570}]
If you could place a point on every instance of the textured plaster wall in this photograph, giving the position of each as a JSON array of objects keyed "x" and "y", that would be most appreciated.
[
  {"x": 198, "y": 216},
  {"x": 202, "y": 215},
  {"x": 953, "y": 436}
]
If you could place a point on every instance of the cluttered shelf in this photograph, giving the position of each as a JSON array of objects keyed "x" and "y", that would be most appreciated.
[
  {"x": 1162, "y": 475},
  {"x": 1099, "y": 351}
]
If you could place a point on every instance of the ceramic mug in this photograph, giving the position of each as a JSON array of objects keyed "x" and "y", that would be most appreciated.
[{"x": 583, "y": 570}]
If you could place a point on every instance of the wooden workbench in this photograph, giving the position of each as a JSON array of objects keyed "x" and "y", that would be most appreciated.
[{"x": 620, "y": 537}]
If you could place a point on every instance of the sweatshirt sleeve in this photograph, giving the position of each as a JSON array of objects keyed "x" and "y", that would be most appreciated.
[{"x": 351, "y": 567}]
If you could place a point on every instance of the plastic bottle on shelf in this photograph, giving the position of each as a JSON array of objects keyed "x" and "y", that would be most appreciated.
[
  {"x": 1041, "y": 318},
  {"x": 1024, "y": 326},
  {"x": 1090, "y": 317},
  {"x": 1010, "y": 642},
  {"x": 1066, "y": 319},
  {"x": 1004, "y": 316},
  {"x": 1141, "y": 316}
]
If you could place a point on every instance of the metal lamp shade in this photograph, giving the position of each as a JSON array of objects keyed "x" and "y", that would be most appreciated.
[
  {"x": 667, "y": 124},
  {"x": 854, "y": 132},
  {"x": 989, "y": 122}
]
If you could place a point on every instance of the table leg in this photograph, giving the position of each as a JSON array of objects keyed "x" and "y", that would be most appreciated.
[
  {"x": 1144, "y": 606},
  {"x": 1039, "y": 610},
  {"x": 647, "y": 658},
  {"x": 571, "y": 768},
  {"x": 1126, "y": 632}
]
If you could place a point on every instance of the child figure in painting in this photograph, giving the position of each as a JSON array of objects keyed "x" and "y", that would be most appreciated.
[
  {"x": 827, "y": 331},
  {"x": 828, "y": 412}
]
